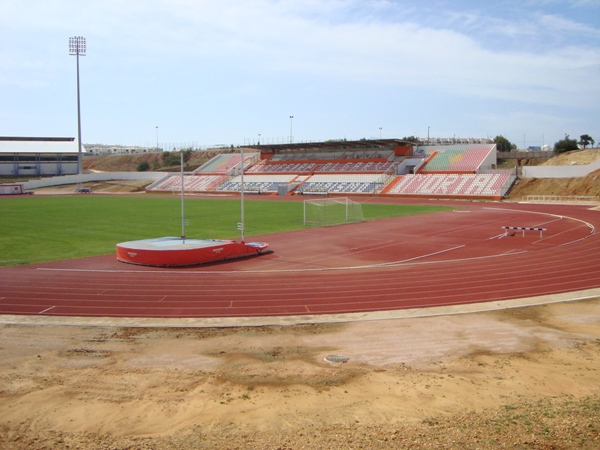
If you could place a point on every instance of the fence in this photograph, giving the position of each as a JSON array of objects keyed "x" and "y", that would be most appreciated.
[{"x": 560, "y": 199}]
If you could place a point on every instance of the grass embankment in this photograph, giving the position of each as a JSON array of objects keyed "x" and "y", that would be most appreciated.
[{"x": 36, "y": 229}]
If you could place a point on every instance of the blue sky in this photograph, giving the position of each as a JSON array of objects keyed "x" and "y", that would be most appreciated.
[{"x": 226, "y": 71}]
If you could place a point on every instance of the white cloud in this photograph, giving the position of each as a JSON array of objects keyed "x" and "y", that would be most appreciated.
[{"x": 252, "y": 47}]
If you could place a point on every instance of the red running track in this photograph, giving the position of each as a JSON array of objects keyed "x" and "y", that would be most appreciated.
[{"x": 448, "y": 258}]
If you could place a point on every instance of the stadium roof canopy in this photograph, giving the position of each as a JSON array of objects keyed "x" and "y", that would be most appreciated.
[
  {"x": 17, "y": 144},
  {"x": 330, "y": 145}
]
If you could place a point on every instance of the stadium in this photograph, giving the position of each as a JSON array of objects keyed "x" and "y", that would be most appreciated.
[
  {"x": 469, "y": 325},
  {"x": 374, "y": 167},
  {"x": 325, "y": 272}
]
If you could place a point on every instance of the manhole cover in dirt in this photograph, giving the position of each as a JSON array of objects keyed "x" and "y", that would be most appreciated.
[{"x": 337, "y": 358}]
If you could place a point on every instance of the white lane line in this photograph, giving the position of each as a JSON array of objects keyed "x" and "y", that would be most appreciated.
[{"x": 244, "y": 272}]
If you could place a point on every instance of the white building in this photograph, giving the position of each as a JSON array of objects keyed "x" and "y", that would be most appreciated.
[
  {"x": 102, "y": 149},
  {"x": 23, "y": 156}
]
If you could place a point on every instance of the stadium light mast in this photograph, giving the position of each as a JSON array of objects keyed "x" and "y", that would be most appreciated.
[
  {"x": 77, "y": 48},
  {"x": 291, "y": 134}
]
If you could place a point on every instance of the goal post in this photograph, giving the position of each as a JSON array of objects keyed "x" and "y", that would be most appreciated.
[{"x": 332, "y": 211}]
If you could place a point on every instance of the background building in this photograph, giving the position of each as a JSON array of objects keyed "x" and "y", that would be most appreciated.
[{"x": 23, "y": 156}]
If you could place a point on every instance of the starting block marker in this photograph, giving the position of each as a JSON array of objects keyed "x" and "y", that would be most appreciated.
[{"x": 524, "y": 229}]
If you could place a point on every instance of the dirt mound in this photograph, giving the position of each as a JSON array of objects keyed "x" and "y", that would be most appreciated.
[
  {"x": 588, "y": 186},
  {"x": 161, "y": 162},
  {"x": 120, "y": 163},
  {"x": 113, "y": 186},
  {"x": 575, "y": 157}
]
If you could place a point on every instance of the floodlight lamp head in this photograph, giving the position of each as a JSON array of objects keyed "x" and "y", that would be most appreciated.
[{"x": 77, "y": 45}]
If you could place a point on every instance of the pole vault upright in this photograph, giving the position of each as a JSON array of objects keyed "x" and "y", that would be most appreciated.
[
  {"x": 182, "y": 203},
  {"x": 241, "y": 226}
]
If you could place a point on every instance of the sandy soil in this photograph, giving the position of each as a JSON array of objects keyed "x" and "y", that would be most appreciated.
[
  {"x": 104, "y": 187},
  {"x": 583, "y": 186},
  {"x": 588, "y": 186},
  {"x": 574, "y": 157},
  {"x": 524, "y": 378}
]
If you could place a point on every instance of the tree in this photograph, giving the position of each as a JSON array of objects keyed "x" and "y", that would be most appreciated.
[
  {"x": 565, "y": 145},
  {"x": 585, "y": 140},
  {"x": 187, "y": 154},
  {"x": 410, "y": 139},
  {"x": 144, "y": 166},
  {"x": 503, "y": 144},
  {"x": 170, "y": 158}
]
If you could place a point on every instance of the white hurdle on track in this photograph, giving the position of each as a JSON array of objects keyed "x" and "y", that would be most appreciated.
[{"x": 524, "y": 229}]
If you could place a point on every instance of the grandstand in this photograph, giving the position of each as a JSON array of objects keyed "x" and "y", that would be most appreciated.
[
  {"x": 191, "y": 183},
  {"x": 386, "y": 167},
  {"x": 226, "y": 163},
  {"x": 331, "y": 184},
  {"x": 259, "y": 184},
  {"x": 456, "y": 185},
  {"x": 330, "y": 167},
  {"x": 358, "y": 154},
  {"x": 468, "y": 159}
]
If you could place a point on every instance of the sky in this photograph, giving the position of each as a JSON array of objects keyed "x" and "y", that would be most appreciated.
[{"x": 231, "y": 72}]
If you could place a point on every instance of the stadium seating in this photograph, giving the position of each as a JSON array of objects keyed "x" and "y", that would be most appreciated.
[
  {"x": 458, "y": 160},
  {"x": 342, "y": 184},
  {"x": 461, "y": 185},
  {"x": 372, "y": 153},
  {"x": 448, "y": 171},
  {"x": 191, "y": 183},
  {"x": 220, "y": 164},
  {"x": 255, "y": 183},
  {"x": 283, "y": 168},
  {"x": 331, "y": 167}
]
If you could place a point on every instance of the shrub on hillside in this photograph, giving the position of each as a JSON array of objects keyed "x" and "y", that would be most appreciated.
[
  {"x": 144, "y": 166},
  {"x": 565, "y": 145}
]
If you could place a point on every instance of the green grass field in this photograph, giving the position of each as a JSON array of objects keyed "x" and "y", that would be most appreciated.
[{"x": 41, "y": 229}]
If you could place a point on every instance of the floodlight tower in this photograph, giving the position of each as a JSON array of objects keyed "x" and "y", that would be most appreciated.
[
  {"x": 291, "y": 134},
  {"x": 77, "y": 48}
]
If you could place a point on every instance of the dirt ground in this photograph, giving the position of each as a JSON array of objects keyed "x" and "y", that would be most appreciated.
[
  {"x": 575, "y": 157},
  {"x": 520, "y": 378}
]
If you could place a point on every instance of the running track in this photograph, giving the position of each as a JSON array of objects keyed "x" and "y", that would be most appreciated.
[{"x": 448, "y": 258}]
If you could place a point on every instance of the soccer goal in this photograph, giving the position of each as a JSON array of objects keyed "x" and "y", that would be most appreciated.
[{"x": 331, "y": 211}]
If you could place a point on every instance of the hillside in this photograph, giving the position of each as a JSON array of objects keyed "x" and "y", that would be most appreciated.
[
  {"x": 160, "y": 162},
  {"x": 588, "y": 186}
]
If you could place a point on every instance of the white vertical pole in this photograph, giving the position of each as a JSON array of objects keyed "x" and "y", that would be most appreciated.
[
  {"x": 242, "y": 189},
  {"x": 346, "y": 209},
  {"x": 304, "y": 212},
  {"x": 182, "y": 208}
]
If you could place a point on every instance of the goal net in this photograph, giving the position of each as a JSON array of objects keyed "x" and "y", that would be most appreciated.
[{"x": 331, "y": 211}]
